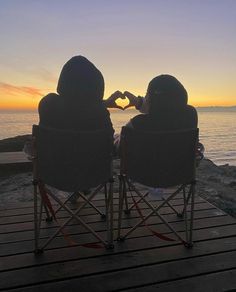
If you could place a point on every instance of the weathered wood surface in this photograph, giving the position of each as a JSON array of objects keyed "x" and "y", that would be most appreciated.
[
  {"x": 14, "y": 162},
  {"x": 141, "y": 263},
  {"x": 13, "y": 157}
]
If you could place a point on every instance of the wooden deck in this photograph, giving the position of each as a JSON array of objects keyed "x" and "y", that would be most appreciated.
[
  {"x": 13, "y": 157},
  {"x": 141, "y": 263},
  {"x": 14, "y": 162}
]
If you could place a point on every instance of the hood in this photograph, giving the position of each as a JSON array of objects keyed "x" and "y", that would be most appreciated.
[
  {"x": 81, "y": 81},
  {"x": 166, "y": 92}
]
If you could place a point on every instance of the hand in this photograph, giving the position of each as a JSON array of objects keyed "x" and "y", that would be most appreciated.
[
  {"x": 111, "y": 101},
  {"x": 133, "y": 100}
]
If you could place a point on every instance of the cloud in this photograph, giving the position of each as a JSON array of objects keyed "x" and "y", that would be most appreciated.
[
  {"x": 10, "y": 89},
  {"x": 46, "y": 75}
]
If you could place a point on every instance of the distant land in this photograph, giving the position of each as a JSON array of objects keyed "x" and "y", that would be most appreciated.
[
  {"x": 216, "y": 108},
  {"x": 199, "y": 108}
]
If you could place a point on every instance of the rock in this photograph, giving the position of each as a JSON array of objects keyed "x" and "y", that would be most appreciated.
[
  {"x": 217, "y": 184},
  {"x": 13, "y": 144}
]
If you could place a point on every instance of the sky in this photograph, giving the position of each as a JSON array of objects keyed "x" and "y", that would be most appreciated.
[{"x": 129, "y": 41}]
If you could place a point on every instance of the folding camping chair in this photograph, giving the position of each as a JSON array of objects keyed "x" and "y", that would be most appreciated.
[
  {"x": 71, "y": 161},
  {"x": 158, "y": 160}
]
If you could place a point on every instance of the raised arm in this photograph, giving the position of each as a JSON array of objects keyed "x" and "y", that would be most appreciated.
[
  {"x": 111, "y": 101},
  {"x": 138, "y": 102}
]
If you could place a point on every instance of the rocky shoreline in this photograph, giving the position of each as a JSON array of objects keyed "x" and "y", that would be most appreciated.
[
  {"x": 216, "y": 184},
  {"x": 14, "y": 143}
]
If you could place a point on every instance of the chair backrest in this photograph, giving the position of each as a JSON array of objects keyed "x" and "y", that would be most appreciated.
[
  {"x": 71, "y": 160},
  {"x": 159, "y": 159}
]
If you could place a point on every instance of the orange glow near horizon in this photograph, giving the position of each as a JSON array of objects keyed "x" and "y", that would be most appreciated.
[
  {"x": 28, "y": 106},
  {"x": 19, "y": 103},
  {"x": 27, "y": 98},
  {"x": 23, "y": 103}
]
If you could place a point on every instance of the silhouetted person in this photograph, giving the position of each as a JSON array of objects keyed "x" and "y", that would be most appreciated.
[
  {"x": 79, "y": 103},
  {"x": 165, "y": 106}
]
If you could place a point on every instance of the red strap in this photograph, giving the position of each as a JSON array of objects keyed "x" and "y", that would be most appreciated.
[
  {"x": 157, "y": 234},
  {"x": 93, "y": 245},
  {"x": 46, "y": 200}
]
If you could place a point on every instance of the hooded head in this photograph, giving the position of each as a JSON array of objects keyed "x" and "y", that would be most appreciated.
[
  {"x": 166, "y": 92},
  {"x": 81, "y": 81}
]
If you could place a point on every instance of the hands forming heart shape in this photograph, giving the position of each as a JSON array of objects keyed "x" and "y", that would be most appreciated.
[{"x": 111, "y": 101}]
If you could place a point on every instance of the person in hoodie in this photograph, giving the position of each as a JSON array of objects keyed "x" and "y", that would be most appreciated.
[
  {"x": 165, "y": 106},
  {"x": 79, "y": 103}
]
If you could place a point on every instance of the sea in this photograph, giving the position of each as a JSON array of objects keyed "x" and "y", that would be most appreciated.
[{"x": 217, "y": 129}]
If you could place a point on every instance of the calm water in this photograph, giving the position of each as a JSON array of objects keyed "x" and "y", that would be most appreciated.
[{"x": 217, "y": 130}]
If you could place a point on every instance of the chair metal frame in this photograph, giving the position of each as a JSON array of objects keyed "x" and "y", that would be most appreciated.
[
  {"x": 127, "y": 178},
  {"x": 42, "y": 188}
]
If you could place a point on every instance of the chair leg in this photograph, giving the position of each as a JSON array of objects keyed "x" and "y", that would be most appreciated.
[
  {"x": 35, "y": 218},
  {"x": 85, "y": 199},
  {"x": 48, "y": 217},
  {"x": 137, "y": 202},
  {"x": 185, "y": 204},
  {"x": 107, "y": 213},
  {"x": 192, "y": 215},
  {"x": 92, "y": 205},
  {"x": 185, "y": 215},
  {"x": 69, "y": 199},
  {"x": 74, "y": 215},
  {"x": 121, "y": 202},
  {"x": 127, "y": 210},
  {"x": 179, "y": 214},
  {"x": 110, "y": 244},
  {"x": 153, "y": 210}
]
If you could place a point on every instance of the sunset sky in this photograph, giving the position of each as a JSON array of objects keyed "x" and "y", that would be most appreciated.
[{"x": 130, "y": 41}]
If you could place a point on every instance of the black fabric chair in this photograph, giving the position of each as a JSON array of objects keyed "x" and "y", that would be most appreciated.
[
  {"x": 71, "y": 161},
  {"x": 158, "y": 160}
]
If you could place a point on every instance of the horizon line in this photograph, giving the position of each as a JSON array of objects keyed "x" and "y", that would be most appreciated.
[{"x": 197, "y": 107}]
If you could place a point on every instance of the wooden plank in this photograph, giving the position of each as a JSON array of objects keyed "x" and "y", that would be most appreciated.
[
  {"x": 131, "y": 245},
  {"x": 13, "y": 157},
  {"x": 142, "y": 236},
  {"x": 14, "y": 162},
  {"x": 127, "y": 222},
  {"x": 142, "y": 261},
  {"x": 89, "y": 211},
  {"x": 214, "y": 282},
  {"x": 98, "y": 197},
  {"x": 92, "y": 213},
  {"x": 6, "y": 238},
  {"x": 116, "y": 272},
  {"x": 19, "y": 213},
  {"x": 28, "y": 209}
]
